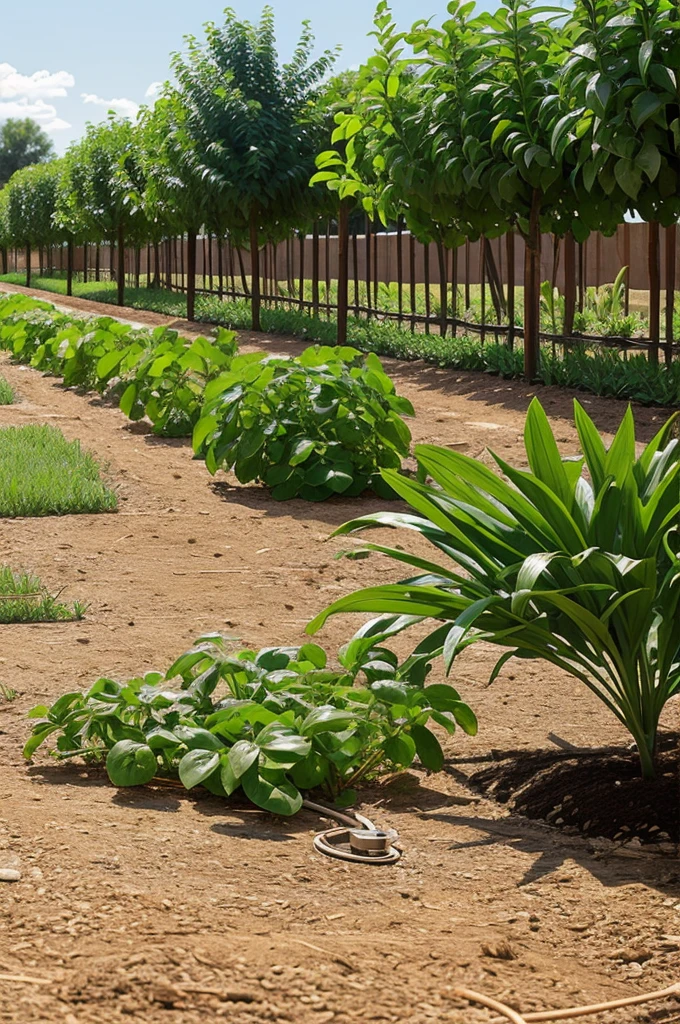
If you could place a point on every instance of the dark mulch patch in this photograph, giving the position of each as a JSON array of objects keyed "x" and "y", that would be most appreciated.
[{"x": 598, "y": 794}]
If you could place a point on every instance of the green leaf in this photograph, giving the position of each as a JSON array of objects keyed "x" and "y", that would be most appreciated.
[
  {"x": 131, "y": 764},
  {"x": 401, "y": 749},
  {"x": 271, "y": 791},
  {"x": 242, "y": 756},
  {"x": 301, "y": 451},
  {"x": 628, "y": 176},
  {"x": 428, "y": 747},
  {"x": 645, "y": 54},
  {"x": 649, "y": 159},
  {"x": 644, "y": 106},
  {"x": 197, "y": 765}
]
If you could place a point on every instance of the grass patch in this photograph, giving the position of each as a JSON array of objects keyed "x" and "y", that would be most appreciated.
[
  {"x": 43, "y": 474},
  {"x": 23, "y": 598},
  {"x": 6, "y": 393}
]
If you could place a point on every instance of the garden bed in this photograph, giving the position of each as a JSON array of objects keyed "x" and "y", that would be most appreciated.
[
  {"x": 156, "y": 906},
  {"x": 595, "y": 794}
]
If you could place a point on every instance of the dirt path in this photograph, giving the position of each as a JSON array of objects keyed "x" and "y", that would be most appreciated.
[{"x": 153, "y": 906}]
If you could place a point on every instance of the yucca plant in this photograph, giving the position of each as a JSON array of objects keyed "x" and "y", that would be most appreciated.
[{"x": 577, "y": 570}]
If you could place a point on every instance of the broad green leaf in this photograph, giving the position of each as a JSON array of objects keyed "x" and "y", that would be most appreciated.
[{"x": 131, "y": 764}]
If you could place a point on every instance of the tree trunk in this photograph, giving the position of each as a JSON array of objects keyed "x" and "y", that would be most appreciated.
[
  {"x": 671, "y": 237},
  {"x": 3, "y": 255},
  {"x": 654, "y": 291},
  {"x": 443, "y": 289},
  {"x": 532, "y": 290},
  {"x": 569, "y": 284},
  {"x": 69, "y": 267},
  {"x": 156, "y": 282},
  {"x": 191, "y": 275},
  {"x": 28, "y": 264},
  {"x": 121, "y": 266},
  {"x": 510, "y": 255},
  {"x": 255, "y": 268},
  {"x": 343, "y": 271}
]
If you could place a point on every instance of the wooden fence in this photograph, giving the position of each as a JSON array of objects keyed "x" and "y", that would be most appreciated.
[{"x": 477, "y": 287}]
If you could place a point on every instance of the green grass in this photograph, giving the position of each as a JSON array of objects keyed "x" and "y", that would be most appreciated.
[
  {"x": 6, "y": 393},
  {"x": 43, "y": 474},
  {"x": 23, "y": 598}
]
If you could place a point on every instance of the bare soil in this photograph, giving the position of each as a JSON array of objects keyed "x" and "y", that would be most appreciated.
[{"x": 152, "y": 905}]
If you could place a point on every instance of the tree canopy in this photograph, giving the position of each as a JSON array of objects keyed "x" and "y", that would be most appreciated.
[{"x": 22, "y": 142}]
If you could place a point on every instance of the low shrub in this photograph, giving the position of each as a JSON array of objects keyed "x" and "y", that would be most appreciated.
[
  {"x": 321, "y": 424},
  {"x": 23, "y": 598},
  {"x": 272, "y": 723},
  {"x": 43, "y": 474},
  {"x": 158, "y": 373}
]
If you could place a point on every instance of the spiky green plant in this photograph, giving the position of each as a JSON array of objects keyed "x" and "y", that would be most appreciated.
[{"x": 578, "y": 571}]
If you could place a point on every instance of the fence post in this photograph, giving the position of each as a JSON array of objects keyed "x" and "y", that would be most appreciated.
[
  {"x": 532, "y": 290},
  {"x": 343, "y": 270},
  {"x": 315, "y": 269},
  {"x": 443, "y": 289},
  {"x": 654, "y": 291},
  {"x": 28, "y": 264},
  {"x": 671, "y": 236}
]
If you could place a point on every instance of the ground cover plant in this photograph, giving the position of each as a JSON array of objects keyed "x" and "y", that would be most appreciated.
[
  {"x": 43, "y": 474},
  {"x": 583, "y": 573},
  {"x": 6, "y": 393},
  {"x": 321, "y": 424},
  {"x": 273, "y": 723},
  {"x": 156, "y": 372},
  {"x": 23, "y": 598}
]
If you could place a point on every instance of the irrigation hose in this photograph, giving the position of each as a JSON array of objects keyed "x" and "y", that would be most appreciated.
[
  {"x": 332, "y": 842},
  {"x": 568, "y": 1014}
]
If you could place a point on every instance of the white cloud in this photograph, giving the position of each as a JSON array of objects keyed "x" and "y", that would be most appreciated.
[
  {"x": 44, "y": 113},
  {"x": 153, "y": 90},
  {"x": 39, "y": 85},
  {"x": 126, "y": 108}
]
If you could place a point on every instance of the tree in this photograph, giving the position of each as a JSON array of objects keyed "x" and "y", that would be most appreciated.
[
  {"x": 22, "y": 142},
  {"x": 177, "y": 196},
  {"x": 101, "y": 173},
  {"x": 32, "y": 199},
  {"x": 256, "y": 126},
  {"x": 625, "y": 130}
]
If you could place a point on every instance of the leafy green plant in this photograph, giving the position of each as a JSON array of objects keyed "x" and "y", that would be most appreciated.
[
  {"x": 321, "y": 424},
  {"x": 6, "y": 392},
  {"x": 552, "y": 306},
  {"x": 272, "y": 723},
  {"x": 581, "y": 573},
  {"x": 23, "y": 598},
  {"x": 43, "y": 474},
  {"x": 158, "y": 373},
  {"x": 168, "y": 377}
]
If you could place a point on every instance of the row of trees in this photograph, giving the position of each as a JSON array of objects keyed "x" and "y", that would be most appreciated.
[
  {"x": 525, "y": 120},
  {"x": 229, "y": 148}
]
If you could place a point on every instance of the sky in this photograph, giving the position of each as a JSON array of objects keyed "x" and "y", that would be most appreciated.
[{"x": 67, "y": 64}]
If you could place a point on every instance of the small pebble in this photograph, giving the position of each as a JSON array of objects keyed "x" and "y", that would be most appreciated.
[{"x": 9, "y": 875}]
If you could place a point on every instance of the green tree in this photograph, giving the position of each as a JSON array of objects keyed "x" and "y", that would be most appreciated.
[
  {"x": 256, "y": 126},
  {"x": 624, "y": 131},
  {"x": 102, "y": 176},
  {"x": 32, "y": 198},
  {"x": 22, "y": 142}
]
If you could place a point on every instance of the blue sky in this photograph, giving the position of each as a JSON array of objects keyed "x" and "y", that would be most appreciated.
[{"x": 67, "y": 64}]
